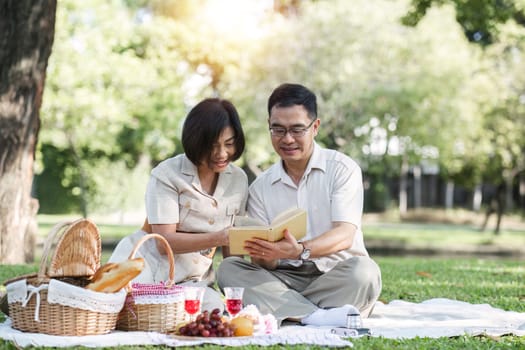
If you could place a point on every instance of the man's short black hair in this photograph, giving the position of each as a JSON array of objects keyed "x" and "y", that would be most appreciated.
[
  {"x": 203, "y": 126},
  {"x": 287, "y": 95}
]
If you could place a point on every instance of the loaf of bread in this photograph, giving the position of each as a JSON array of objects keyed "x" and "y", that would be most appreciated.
[{"x": 112, "y": 277}]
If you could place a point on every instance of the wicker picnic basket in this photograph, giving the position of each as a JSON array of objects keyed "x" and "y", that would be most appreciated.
[
  {"x": 54, "y": 300},
  {"x": 155, "y": 307}
]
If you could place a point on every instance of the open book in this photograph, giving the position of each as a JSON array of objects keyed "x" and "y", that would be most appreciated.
[{"x": 244, "y": 228}]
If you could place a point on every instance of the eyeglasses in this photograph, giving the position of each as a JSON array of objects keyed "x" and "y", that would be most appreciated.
[{"x": 294, "y": 131}]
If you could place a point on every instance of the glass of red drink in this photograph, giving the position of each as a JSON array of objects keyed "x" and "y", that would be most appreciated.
[
  {"x": 233, "y": 297},
  {"x": 192, "y": 300}
]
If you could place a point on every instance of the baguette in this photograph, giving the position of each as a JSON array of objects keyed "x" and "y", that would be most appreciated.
[{"x": 112, "y": 277}]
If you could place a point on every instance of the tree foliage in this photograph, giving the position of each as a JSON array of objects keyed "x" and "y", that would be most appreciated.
[
  {"x": 388, "y": 92},
  {"x": 112, "y": 102},
  {"x": 497, "y": 153},
  {"x": 480, "y": 20},
  {"x": 384, "y": 88},
  {"x": 504, "y": 121}
]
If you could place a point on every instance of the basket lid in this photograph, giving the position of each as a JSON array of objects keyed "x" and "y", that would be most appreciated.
[{"x": 77, "y": 252}]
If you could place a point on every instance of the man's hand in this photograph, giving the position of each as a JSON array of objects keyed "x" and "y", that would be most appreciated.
[{"x": 286, "y": 248}]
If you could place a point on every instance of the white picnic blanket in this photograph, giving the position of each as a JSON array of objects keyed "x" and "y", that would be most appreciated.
[
  {"x": 285, "y": 335},
  {"x": 398, "y": 319},
  {"x": 441, "y": 317}
]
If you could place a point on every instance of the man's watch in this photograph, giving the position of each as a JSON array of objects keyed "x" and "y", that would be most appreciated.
[{"x": 305, "y": 255}]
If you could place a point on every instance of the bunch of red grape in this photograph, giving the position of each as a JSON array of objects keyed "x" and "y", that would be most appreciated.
[{"x": 208, "y": 325}]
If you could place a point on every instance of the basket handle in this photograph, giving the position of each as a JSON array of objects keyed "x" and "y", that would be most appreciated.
[
  {"x": 168, "y": 250},
  {"x": 51, "y": 237}
]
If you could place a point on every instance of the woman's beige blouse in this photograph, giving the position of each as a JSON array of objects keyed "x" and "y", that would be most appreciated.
[{"x": 174, "y": 196}]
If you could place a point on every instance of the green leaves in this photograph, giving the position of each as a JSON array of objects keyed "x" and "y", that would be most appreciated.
[
  {"x": 112, "y": 97},
  {"x": 480, "y": 20},
  {"x": 121, "y": 79}
]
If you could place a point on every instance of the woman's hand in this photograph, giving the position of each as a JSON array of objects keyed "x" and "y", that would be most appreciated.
[
  {"x": 224, "y": 238},
  {"x": 186, "y": 242}
]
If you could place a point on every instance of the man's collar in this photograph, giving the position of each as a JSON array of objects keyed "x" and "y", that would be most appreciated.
[{"x": 317, "y": 161}]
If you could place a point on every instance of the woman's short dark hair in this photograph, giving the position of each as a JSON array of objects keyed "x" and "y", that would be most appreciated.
[
  {"x": 203, "y": 126},
  {"x": 288, "y": 95}
]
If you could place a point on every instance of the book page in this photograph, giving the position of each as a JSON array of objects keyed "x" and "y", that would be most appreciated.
[
  {"x": 247, "y": 228},
  {"x": 293, "y": 220},
  {"x": 286, "y": 215}
]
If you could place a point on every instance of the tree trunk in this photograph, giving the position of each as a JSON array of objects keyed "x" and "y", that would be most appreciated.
[
  {"x": 403, "y": 187},
  {"x": 509, "y": 201},
  {"x": 522, "y": 190},
  {"x": 417, "y": 187},
  {"x": 477, "y": 199},
  {"x": 449, "y": 195},
  {"x": 27, "y": 28}
]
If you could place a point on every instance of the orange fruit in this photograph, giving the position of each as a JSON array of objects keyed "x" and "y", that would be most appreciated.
[{"x": 243, "y": 326}]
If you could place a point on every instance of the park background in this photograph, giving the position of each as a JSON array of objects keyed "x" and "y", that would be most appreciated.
[
  {"x": 427, "y": 96},
  {"x": 434, "y": 112},
  {"x": 433, "y": 118}
]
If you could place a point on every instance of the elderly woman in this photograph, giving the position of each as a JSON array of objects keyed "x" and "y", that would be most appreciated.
[{"x": 191, "y": 200}]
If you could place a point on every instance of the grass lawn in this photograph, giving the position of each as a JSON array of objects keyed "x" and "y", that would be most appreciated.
[
  {"x": 441, "y": 229},
  {"x": 498, "y": 282},
  {"x": 442, "y": 235},
  {"x": 440, "y": 232}
]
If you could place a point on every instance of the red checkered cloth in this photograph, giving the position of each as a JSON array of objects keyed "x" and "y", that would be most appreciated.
[{"x": 145, "y": 289}]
